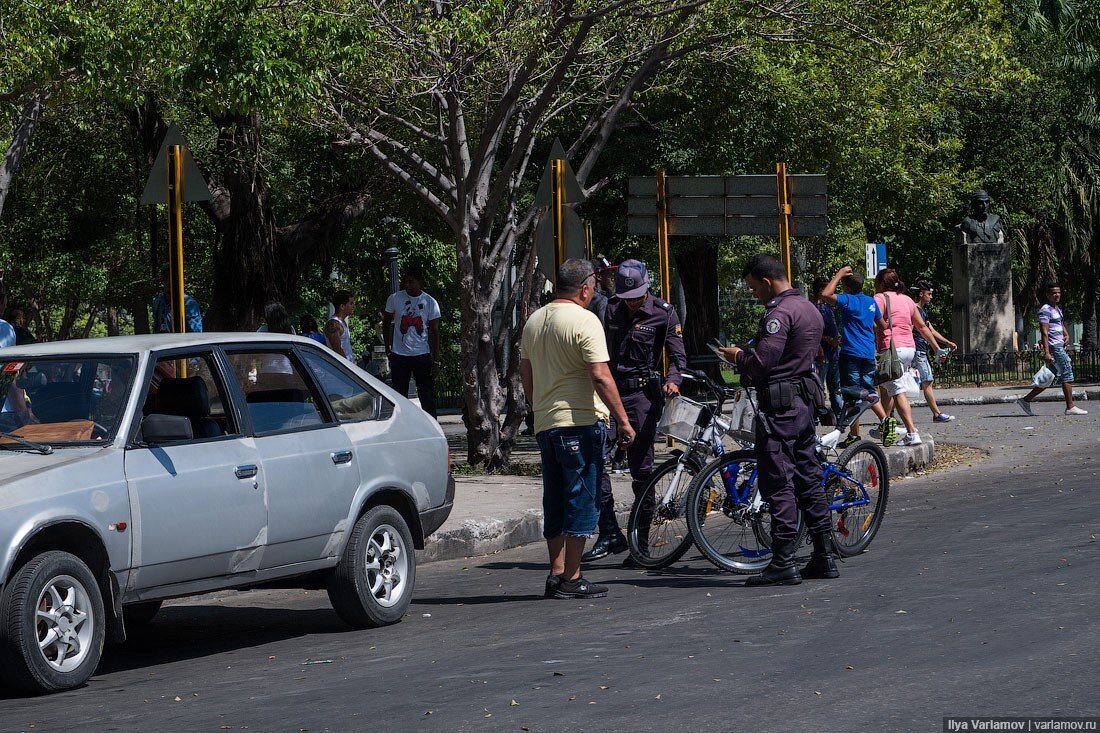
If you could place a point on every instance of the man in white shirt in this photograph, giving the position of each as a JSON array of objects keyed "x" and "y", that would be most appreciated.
[{"x": 410, "y": 327}]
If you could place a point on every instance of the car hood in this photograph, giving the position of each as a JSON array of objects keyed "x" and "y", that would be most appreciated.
[{"x": 20, "y": 464}]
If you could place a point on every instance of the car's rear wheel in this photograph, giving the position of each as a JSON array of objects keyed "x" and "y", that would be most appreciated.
[
  {"x": 372, "y": 584},
  {"x": 51, "y": 624},
  {"x": 136, "y": 615}
]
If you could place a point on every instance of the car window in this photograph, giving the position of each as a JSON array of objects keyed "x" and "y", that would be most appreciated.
[
  {"x": 188, "y": 385},
  {"x": 351, "y": 399},
  {"x": 64, "y": 399},
  {"x": 277, "y": 395}
]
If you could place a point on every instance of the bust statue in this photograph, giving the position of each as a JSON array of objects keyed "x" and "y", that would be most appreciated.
[{"x": 981, "y": 226}]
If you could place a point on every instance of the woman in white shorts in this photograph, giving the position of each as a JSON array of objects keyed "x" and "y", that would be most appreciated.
[{"x": 899, "y": 310}]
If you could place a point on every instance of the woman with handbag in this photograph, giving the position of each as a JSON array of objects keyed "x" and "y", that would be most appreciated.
[{"x": 896, "y": 348}]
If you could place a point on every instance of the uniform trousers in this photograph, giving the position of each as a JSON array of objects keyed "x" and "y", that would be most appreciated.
[
  {"x": 643, "y": 409},
  {"x": 789, "y": 472}
]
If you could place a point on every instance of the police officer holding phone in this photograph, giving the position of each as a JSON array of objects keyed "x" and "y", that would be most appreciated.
[
  {"x": 641, "y": 329},
  {"x": 781, "y": 370}
]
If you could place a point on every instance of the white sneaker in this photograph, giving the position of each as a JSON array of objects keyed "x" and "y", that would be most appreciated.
[
  {"x": 1076, "y": 411},
  {"x": 910, "y": 439},
  {"x": 1025, "y": 406}
]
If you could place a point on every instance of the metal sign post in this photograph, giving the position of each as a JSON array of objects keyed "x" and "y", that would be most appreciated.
[
  {"x": 589, "y": 249},
  {"x": 175, "y": 237},
  {"x": 557, "y": 193},
  {"x": 784, "y": 208}
]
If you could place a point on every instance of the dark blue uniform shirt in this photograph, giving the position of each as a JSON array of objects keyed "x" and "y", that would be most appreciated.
[
  {"x": 787, "y": 341},
  {"x": 634, "y": 340}
]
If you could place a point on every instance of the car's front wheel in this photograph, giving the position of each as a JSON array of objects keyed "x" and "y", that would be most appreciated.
[
  {"x": 372, "y": 584},
  {"x": 51, "y": 624}
]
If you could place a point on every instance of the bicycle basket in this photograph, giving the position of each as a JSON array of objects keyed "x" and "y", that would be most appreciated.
[{"x": 681, "y": 419}]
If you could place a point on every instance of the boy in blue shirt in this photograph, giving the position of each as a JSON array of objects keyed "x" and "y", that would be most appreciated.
[{"x": 859, "y": 315}]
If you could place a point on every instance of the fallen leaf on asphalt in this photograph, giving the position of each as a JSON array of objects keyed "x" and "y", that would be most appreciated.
[
  {"x": 513, "y": 703},
  {"x": 604, "y": 687},
  {"x": 178, "y": 699},
  {"x": 427, "y": 712},
  {"x": 317, "y": 661},
  {"x": 572, "y": 697},
  {"x": 849, "y": 667},
  {"x": 897, "y": 612},
  {"x": 559, "y": 674},
  {"x": 657, "y": 698},
  {"x": 816, "y": 692},
  {"x": 271, "y": 657},
  {"x": 709, "y": 595}
]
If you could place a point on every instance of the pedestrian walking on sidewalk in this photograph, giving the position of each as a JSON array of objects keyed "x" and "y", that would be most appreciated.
[
  {"x": 1053, "y": 344},
  {"x": 902, "y": 321},
  {"x": 859, "y": 316},
  {"x": 789, "y": 471},
  {"x": 641, "y": 330},
  {"x": 566, "y": 378},
  {"x": 922, "y": 361}
]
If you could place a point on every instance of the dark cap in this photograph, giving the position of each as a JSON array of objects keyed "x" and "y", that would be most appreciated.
[
  {"x": 601, "y": 265},
  {"x": 631, "y": 280}
]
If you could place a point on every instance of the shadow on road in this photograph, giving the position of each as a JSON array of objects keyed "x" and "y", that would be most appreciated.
[
  {"x": 189, "y": 632},
  {"x": 474, "y": 600}
]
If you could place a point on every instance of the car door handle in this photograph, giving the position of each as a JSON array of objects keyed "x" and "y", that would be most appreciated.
[
  {"x": 246, "y": 471},
  {"x": 341, "y": 456}
]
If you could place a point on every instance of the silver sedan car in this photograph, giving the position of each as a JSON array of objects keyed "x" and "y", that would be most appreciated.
[{"x": 136, "y": 469}]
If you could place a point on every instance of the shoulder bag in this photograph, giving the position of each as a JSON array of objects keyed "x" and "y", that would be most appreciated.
[{"x": 888, "y": 365}]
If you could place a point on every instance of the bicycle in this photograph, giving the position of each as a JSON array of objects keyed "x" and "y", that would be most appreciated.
[
  {"x": 730, "y": 521},
  {"x": 657, "y": 534}
]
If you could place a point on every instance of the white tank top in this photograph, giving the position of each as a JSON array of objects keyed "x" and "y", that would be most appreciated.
[{"x": 345, "y": 339}]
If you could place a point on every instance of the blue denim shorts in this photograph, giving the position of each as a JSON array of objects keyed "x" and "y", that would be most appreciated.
[
  {"x": 1063, "y": 367},
  {"x": 923, "y": 367},
  {"x": 856, "y": 372},
  {"x": 572, "y": 463}
]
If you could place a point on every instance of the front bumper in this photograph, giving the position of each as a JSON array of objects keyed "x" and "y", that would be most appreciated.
[{"x": 433, "y": 518}]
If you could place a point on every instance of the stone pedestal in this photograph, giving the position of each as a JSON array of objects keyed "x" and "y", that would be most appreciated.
[{"x": 982, "y": 316}]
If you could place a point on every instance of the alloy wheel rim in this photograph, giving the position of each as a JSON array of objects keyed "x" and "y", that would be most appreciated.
[
  {"x": 64, "y": 623},
  {"x": 387, "y": 566}
]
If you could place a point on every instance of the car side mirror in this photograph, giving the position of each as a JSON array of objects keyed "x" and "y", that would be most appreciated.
[{"x": 157, "y": 429}]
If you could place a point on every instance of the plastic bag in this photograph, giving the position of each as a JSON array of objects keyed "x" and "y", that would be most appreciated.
[
  {"x": 1043, "y": 378},
  {"x": 911, "y": 382}
]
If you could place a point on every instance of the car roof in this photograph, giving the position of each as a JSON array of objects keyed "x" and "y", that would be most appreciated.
[{"x": 144, "y": 343}]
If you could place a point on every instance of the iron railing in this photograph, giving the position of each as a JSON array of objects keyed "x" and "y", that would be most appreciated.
[{"x": 1008, "y": 367}]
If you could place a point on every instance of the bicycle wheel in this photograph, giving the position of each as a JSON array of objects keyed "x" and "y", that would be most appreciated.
[
  {"x": 735, "y": 535},
  {"x": 855, "y": 526},
  {"x": 658, "y": 535}
]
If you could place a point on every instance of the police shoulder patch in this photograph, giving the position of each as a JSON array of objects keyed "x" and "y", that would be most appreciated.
[{"x": 772, "y": 326}]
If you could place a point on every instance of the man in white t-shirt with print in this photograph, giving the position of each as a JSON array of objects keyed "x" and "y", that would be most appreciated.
[
  {"x": 1053, "y": 344},
  {"x": 410, "y": 327}
]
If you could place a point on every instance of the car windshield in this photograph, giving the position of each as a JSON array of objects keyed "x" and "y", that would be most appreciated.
[{"x": 63, "y": 400}]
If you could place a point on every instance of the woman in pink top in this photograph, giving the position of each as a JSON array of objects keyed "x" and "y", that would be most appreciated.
[{"x": 905, "y": 317}]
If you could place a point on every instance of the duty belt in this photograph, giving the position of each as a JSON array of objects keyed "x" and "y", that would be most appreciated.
[{"x": 636, "y": 382}]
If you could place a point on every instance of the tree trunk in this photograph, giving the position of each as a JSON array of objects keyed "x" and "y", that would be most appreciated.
[
  {"x": 1089, "y": 306},
  {"x": 698, "y": 270},
  {"x": 249, "y": 270},
  {"x": 21, "y": 139}
]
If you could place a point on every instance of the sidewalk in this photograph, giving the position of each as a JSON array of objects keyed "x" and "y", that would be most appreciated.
[
  {"x": 494, "y": 513},
  {"x": 1011, "y": 393}
]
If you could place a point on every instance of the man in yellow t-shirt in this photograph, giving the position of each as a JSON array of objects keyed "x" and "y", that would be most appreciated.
[{"x": 568, "y": 383}]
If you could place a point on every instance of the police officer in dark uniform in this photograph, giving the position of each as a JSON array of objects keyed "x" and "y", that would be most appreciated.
[
  {"x": 780, "y": 369},
  {"x": 641, "y": 328},
  {"x": 601, "y": 296}
]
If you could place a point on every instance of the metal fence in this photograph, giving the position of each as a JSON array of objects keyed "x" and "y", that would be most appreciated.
[{"x": 1008, "y": 367}]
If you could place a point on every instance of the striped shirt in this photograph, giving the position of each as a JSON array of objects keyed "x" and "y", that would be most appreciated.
[{"x": 1052, "y": 316}]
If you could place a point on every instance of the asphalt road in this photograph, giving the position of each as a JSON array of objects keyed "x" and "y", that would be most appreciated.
[{"x": 978, "y": 597}]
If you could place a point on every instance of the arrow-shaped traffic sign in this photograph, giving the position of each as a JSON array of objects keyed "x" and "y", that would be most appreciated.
[{"x": 573, "y": 192}]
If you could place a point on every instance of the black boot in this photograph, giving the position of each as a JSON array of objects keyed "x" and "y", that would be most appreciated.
[
  {"x": 781, "y": 570},
  {"x": 607, "y": 544},
  {"x": 822, "y": 564}
]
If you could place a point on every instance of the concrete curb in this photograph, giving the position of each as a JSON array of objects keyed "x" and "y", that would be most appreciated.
[
  {"x": 1052, "y": 395},
  {"x": 476, "y": 538}
]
